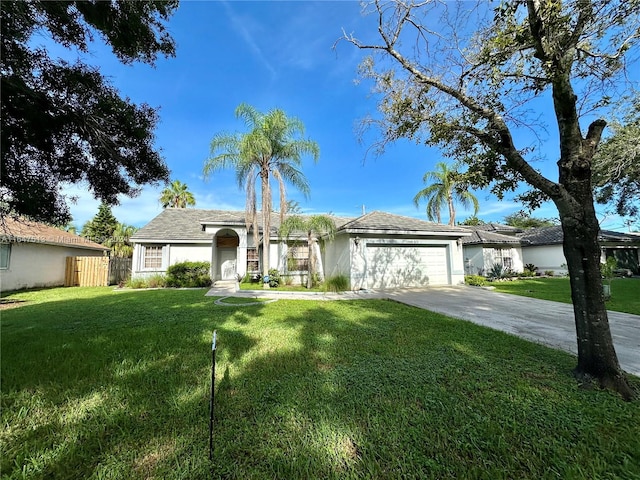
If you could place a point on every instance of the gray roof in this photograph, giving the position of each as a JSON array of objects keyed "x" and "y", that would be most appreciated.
[
  {"x": 553, "y": 235},
  {"x": 382, "y": 221},
  {"x": 496, "y": 228},
  {"x": 185, "y": 224},
  {"x": 482, "y": 237}
]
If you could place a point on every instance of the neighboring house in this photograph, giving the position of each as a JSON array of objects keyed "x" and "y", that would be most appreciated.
[
  {"x": 377, "y": 250},
  {"x": 543, "y": 248},
  {"x": 489, "y": 245},
  {"x": 34, "y": 255}
]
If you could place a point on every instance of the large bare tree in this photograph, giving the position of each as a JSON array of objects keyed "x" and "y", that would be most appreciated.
[{"x": 472, "y": 77}]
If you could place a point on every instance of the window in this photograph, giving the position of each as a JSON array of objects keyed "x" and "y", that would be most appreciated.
[
  {"x": 253, "y": 264},
  {"x": 153, "y": 258},
  {"x": 5, "y": 254},
  {"x": 298, "y": 258},
  {"x": 503, "y": 257}
]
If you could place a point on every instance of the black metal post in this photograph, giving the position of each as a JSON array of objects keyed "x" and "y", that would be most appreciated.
[{"x": 211, "y": 399}]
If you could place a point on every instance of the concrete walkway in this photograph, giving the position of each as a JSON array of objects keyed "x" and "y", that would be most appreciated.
[{"x": 541, "y": 321}]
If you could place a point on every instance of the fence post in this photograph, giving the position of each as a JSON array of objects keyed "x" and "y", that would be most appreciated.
[{"x": 212, "y": 397}]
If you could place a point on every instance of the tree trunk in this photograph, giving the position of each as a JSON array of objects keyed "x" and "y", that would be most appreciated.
[
  {"x": 452, "y": 210},
  {"x": 311, "y": 258},
  {"x": 266, "y": 225},
  {"x": 596, "y": 354}
]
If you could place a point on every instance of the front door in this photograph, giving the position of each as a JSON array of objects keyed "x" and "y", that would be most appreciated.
[{"x": 227, "y": 258}]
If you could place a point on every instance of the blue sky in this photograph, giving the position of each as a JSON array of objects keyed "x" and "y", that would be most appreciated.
[{"x": 272, "y": 55}]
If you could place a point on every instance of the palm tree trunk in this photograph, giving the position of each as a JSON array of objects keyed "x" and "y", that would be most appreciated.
[
  {"x": 452, "y": 210},
  {"x": 266, "y": 224},
  {"x": 311, "y": 257}
]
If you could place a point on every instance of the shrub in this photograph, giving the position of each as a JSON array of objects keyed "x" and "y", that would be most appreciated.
[
  {"x": 337, "y": 283},
  {"x": 475, "y": 280},
  {"x": 528, "y": 273},
  {"x": 136, "y": 283},
  {"x": 189, "y": 275},
  {"x": 496, "y": 271},
  {"x": 157, "y": 281},
  {"x": 549, "y": 273},
  {"x": 531, "y": 267},
  {"x": 274, "y": 278}
]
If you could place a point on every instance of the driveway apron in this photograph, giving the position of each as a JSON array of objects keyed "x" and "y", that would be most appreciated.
[{"x": 542, "y": 321}]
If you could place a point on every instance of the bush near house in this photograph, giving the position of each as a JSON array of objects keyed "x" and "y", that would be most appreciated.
[
  {"x": 189, "y": 275},
  {"x": 475, "y": 280}
]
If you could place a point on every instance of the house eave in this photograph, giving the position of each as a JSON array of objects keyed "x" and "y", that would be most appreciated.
[{"x": 421, "y": 233}]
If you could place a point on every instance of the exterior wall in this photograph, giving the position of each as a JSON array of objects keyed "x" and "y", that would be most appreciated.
[
  {"x": 34, "y": 265},
  {"x": 546, "y": 257},
  {"x": 336, "y": 258},
  {"x": 171, "y": 254},
  {"x": 474, "y": 261}
]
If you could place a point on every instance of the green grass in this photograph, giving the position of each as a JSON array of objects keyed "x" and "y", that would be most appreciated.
[
  {"x": 111, "y": 385},
  {"x": 625, "y": 292}
]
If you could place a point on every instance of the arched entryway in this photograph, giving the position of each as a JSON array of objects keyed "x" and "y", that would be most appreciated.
[{"x": 227, "y": 242}]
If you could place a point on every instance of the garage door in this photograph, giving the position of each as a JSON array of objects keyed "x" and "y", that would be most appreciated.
[{"x": 394, "y": 266}]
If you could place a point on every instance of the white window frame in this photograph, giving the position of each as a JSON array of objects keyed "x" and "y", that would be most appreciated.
[
  {"x": 292, "y": 249},
  {"x": 145, "y": 249},
  {"x": 503, "y": 256},
  {"x": 6, "y": 247}
]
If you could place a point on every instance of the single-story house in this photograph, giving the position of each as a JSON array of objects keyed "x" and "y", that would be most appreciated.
[
  {"x": 489, "y": 245},
  {"x": 543, "y": 248},
  {"x": 34, "y": 255},
  {"x": 377, "y": 250}
]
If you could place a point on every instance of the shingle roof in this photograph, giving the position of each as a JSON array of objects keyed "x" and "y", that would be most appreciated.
[
  {"x": 481, "y": 236},
  {"x": 18, "y": 230},
  {"x": 553, "y": 235},
  {"x": 497, "y": 228},
  {"x": 186, "y": 223},
  {"x": 382, "y": 221}
]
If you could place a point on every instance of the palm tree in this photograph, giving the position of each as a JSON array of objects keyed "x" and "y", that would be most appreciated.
[
  {"x": 177, "y": 195},
  {"x": 272, "y": 148},
  {"x": 447, "y": 190},
  {"x": 316, "y": 227},
  {"x": 119, "y": 241}
]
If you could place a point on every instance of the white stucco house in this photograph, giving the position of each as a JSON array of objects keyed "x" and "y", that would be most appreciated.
[
  {"x": 377, "y": 250},
  {"x": 491, "y": 244},
  {"x": 34, "y": 255},
  {"x": 543, "y": 248}
]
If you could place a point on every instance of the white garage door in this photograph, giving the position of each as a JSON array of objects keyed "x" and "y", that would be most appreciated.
[{"x": 393, "y": 266}]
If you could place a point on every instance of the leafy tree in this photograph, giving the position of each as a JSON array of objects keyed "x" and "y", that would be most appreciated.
[
  {"x": 616, "y": 171},
  {"x": 177, "y": 195},
  {"x": 119, "y": 242},
  {"x": 315, "y": 227},
  {"x": 521, "y": 219},
  {"x": 472, "y": 221},
  {"x": 101, "y": 227},
  {"x": 293, "y": 207},
  {"x": 447, "y": 189},
  {"x": 271, "y": 149},
  {"x": 474, "y": 81},
  {"x": 62, "y": 122}
]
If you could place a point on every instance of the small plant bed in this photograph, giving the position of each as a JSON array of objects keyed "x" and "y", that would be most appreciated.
[
  {"x": 103, "y": 385},
  {"x": 625, "y": 292},
  {"x": 281, "y": 288},
  {"x": 242, "y": 301}
]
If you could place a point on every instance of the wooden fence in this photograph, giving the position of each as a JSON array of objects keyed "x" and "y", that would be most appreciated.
[
  {"x": 86, "y": 272},
  {"x": 119, "y": 270}
]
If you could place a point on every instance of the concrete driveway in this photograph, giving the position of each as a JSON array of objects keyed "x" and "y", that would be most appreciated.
[{"x": 542, "y": 321}]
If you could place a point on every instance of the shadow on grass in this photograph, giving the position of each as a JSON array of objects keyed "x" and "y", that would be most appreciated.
[{"x": 116, "y": 386}]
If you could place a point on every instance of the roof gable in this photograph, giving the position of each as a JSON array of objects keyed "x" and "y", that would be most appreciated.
[
  {"x": 19, "y": 230},
  {"x": 388, "y": 222}
]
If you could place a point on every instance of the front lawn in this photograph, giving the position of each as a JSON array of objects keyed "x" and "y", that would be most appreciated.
[
  {"x": 625, "y": 292},
  {"x": 112, "y": 385}
]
